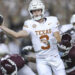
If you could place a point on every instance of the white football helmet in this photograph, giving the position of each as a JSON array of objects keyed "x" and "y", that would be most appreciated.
[
  {"x": 72, "y": 20},
  {"x": 34, "y": 5}
]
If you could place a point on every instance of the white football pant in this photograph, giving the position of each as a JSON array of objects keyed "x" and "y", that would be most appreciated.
[{"x": 50, "y": 65}]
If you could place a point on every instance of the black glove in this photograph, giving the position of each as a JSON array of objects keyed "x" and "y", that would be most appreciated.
[
  {"x": 24, "y": 52},
  {"x": 66, "y": 43}
]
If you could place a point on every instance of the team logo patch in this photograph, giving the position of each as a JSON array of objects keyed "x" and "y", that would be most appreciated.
[
  {"x": 49, "y": 23},
  {"x": 26, "y": 26},
  {"x": 34, "y": 25}
]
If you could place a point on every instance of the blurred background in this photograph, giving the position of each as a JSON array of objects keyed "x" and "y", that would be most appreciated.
[{"x": 15, "y": 12}]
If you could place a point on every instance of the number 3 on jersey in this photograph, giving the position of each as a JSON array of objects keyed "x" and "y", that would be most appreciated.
[{"x": 45, "y": 42}]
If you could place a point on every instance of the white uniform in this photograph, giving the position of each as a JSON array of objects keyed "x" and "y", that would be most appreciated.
[
  {"x": 14, "y": 48},
  {"x": 70, "y": 29},
  {"x": 65, "y": 28},
  {"x": 26, "y": 70},
  {"x": 3, "y": 49},
  {"x": 45, "y": 45}
]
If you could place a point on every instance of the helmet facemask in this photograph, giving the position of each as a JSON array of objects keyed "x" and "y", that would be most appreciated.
[{"x": 37, "y": 16}]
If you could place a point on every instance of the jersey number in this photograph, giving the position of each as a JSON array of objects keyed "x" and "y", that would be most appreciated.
[{"x": 47, "y": 43}]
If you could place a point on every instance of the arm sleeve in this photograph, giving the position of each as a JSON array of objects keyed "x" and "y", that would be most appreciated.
[
  {"x": 55, "y": 29},
  {"x": 27, "y": 28},
  {"x": 55, "y": 26}
]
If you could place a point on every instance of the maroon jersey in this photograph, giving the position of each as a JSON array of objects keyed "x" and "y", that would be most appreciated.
[
  {"x": 1, "y": 72},
  {"x": 69, "y": 61}
]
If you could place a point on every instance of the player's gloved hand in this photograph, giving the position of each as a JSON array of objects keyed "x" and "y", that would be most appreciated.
[
  {"x": 66, "y": 43},
  {"x": 26, "y": 50},
  {"x": 63, "y": 47}
]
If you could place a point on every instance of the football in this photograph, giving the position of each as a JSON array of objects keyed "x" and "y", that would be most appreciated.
[{"x": 1, "y": 20}]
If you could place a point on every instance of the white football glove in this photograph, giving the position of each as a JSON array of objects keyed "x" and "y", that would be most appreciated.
[
  {"x": 63, "y": 48},
  {"x": 27, "y": 48}
]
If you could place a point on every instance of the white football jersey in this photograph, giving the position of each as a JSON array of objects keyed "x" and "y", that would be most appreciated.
[
  {"x": 3, "y": 49},
  {"x": 65, "y": 28},
  {"x": 43, "y": 40}
]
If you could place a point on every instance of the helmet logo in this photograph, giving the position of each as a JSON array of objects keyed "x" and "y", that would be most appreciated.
[{"x": 26, "y": 26}]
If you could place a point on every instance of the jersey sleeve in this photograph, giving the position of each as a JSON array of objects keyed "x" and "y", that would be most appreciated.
[
  {"x": 57, "y": 22},
  {"x": 26, "y": 27},
  {"x": 55, "y": 29},
  {"x": 56, "y": 25}
]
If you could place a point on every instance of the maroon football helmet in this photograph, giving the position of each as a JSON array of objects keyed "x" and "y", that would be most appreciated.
[
  {"x": 12, "y": 63},
  {"x": 65, "y": 44},
  {"x": 65, "y": 40}
]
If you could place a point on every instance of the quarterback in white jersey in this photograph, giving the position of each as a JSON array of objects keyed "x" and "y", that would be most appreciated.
[
  {"x": 44, "y": 42},
  {"x": 44, "y": 35}
]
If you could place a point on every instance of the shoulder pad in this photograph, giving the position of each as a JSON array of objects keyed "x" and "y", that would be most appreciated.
[
  {"x": 66, "y": 27},
  {"x": 27, "y": 22},
  {"x": 51, "y": 18}
]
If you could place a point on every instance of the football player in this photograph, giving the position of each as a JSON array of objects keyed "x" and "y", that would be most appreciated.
[
  {"x": 67, "y": 46},
  {"x": 44, "y": 35},
  {"x": 3, "y": 47},
  {"x": 29, "y": 52},
  {"x": 4, "y": 51},
  {"x": 15, "y": 64}
]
